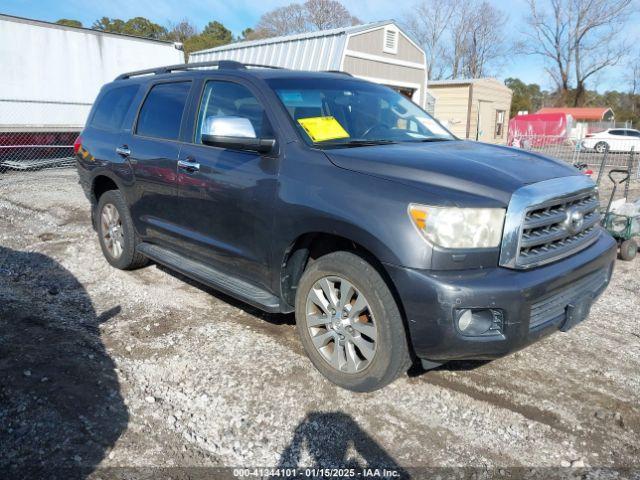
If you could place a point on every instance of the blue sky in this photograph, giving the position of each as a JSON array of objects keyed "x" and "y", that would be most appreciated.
[{"x": 239, "y": 14}]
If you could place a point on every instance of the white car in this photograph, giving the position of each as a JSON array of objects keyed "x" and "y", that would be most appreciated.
[{"x": 613, "y": 140}]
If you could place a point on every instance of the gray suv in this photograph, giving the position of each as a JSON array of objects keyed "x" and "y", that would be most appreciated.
[{"x": 340, "y": 200}]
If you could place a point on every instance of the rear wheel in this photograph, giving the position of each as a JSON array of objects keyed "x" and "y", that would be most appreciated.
[
  {"x": 350, "y": 324},
  {"x": 601, "y": 147},
  {"x": 116, "y": 233},
  {"x": 628, "y": 250}
]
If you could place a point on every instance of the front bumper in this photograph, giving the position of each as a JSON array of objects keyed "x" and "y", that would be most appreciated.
[{"x": 430, "y": 300}]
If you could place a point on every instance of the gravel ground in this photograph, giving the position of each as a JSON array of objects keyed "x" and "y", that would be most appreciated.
[{"x": 104, "y": 368}]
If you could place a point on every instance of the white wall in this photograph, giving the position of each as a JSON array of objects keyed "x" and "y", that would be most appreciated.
[{"x": 50, "y": 64}]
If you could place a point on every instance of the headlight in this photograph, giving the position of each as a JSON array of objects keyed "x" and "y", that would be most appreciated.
[{"x": 453, "y": 227}]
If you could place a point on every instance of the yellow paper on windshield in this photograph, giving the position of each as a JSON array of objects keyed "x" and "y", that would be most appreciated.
[{"x": 321, "y": 129}]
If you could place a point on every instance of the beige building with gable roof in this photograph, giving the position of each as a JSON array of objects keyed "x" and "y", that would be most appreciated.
[{"x": 475, "y": 109}]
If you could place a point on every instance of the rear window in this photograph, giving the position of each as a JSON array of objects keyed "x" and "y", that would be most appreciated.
[
  {"x": 161, "y": 113},
  {"x": 112, "y": 108}
]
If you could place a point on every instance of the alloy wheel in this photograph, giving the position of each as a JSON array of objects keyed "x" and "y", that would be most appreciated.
[
  {"x": 341, "y": 324},
  {"x": 112, "y": 230}
]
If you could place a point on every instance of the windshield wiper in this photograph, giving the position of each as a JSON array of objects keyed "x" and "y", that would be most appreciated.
[
  {"x": 357, "y": 143},
  {"x": 433, "y": 139}
]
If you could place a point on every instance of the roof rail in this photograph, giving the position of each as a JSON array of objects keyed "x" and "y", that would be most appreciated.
[
  {"x": 221, "y": 64},
  {"x": 341, "y": 72}
]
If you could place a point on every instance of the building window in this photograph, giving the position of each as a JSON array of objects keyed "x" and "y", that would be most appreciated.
[
  {"x": 390, "y": 44},
  {"x": 499, "y": 123}
]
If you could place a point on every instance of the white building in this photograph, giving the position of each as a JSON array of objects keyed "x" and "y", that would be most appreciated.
[{"x": 52, "y": 73}]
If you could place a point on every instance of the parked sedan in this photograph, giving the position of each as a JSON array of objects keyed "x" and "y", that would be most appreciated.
[{"x": 613, "y": 140}]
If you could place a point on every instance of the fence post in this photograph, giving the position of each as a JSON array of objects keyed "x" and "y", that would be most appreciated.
[
  {"x": 630, "y": 170},
  {"x": 603, "y": 164}
]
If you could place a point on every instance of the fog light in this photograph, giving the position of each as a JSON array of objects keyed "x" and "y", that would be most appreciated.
[{"x": 480, "y": 322}]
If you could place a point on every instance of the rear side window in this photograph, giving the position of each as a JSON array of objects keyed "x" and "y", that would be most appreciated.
[
  {"x": 112, "y": 108},
  {"x": 161, "y": 113}
]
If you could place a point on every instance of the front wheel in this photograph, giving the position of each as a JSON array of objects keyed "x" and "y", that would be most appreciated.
[
  {"x": 628, "y": 250},
  {"x": 349, "y": 323}
]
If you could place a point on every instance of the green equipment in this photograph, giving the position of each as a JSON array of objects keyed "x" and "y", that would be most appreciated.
[{"x": 623, "y": 225}]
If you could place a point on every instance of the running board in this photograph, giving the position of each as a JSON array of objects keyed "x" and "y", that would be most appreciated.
[{"x": 220, "y": 281}]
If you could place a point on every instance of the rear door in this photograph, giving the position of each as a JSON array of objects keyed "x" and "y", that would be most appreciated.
[
  {"x": 152, "y": 148},
  {"x": 103, "y": 132},
  {"x": 226, "y": 203}
]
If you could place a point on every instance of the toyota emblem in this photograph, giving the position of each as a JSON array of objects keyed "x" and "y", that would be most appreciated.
[{"x": 574, "y": 221}]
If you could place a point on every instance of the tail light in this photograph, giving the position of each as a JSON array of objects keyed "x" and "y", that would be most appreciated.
[
  {"x": 77, "y": 145},
  {"x": 589, "y": 135}
]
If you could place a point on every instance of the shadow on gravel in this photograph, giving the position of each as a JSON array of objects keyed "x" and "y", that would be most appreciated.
[
  {"x": 60, "y": 404},
  {"x": 334, "y": 440},
  {"x": 273, "y": 318}
]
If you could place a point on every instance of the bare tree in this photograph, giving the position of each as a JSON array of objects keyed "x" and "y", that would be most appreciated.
[
  {"x": 310, "y": 16},
  {"x": 286, "y": 20},
  {"x": 429, "y": 22},
  {"x": 326, "y": 14},
  {"x": 460, "y": 37},
  {"x": 181, "y": 31},
  {"x": 595, "y": 27},
  {"x": 550, "y": 37},
  {"x": 484, "y": 42},
  {"x": 578, "y": 39},
  {"x": 633, "y": 77},
  {"x": 458, "y": 34}
]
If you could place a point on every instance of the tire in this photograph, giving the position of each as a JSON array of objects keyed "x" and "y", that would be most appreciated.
[
  {"x": 628, "y": 250},
  {"x": 357, "y": 368},
  {"x": 601, "y": 147},
  {"x": 125, "y": 257}
]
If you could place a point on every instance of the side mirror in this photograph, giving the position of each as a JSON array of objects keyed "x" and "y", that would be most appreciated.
[
  {"x": 261, "y": 145},
  {"x": 234, "y": 132}
]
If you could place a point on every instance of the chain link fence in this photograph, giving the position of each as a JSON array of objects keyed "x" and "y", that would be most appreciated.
[
  {"x": 591, "y": 151},
  {"x": 38, "y": 134}
]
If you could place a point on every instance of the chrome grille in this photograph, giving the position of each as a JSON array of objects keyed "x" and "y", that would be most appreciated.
[
  {"x": 548, "y": 232},
  {"x": 550, "y": 220}
]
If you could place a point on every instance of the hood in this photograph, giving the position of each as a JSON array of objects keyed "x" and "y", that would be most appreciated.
[{"x": 489, "y": 171}]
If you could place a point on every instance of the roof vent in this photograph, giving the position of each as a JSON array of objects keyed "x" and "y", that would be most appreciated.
[{"x": 390, "y": 39}]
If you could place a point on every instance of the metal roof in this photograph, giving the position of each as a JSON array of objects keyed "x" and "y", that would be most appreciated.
[
  {"x": 579, "y": 113},
  {"x": 463, "y": 81},
  {"x": 321, "y": 50},
  {"x": 296, "y": 37}
]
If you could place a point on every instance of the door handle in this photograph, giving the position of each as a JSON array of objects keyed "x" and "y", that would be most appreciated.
[
  {"x": 189, "y": 165},
  {"x": 123, "y": 151}
]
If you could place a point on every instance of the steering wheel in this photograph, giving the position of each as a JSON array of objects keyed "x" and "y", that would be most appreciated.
[{"x": 377, "y": 127}]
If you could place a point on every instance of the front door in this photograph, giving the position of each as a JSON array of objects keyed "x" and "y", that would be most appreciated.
[
  {"x": 153, "y": 151},
  {"x": 226, "y": 198}
]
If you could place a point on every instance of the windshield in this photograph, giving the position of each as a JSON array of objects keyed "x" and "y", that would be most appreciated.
[{"x": 351, "y": 112}]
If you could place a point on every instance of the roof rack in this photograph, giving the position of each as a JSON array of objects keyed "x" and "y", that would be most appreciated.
[
  {"x": 221, "y": 64},
  {"x": 341, "y": 72}
]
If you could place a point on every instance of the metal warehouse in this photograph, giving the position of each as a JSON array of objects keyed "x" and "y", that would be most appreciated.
[{"x": 380, "y": 52}]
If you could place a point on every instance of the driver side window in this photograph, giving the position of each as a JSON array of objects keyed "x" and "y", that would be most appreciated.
[{"x": 230, "y": 109}]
